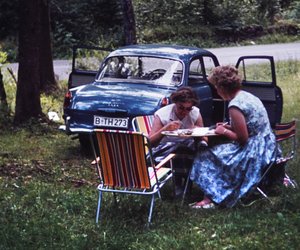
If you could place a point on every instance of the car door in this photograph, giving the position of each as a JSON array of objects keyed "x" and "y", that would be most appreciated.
[
  {"x": 259, "y": 78},
  {"x": 85, "y": 64},
  {"x": 211, "y": 105}
]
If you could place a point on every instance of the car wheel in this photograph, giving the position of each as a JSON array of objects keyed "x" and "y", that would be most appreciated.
[{"x": 85, "y": 143}]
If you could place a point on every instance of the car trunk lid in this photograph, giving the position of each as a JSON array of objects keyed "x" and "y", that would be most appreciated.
[{"x": 120, "y": 98}]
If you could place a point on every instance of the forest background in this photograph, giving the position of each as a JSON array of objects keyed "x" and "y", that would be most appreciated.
[
  {"x": 201, "y": 23},
  {"x": 33, "y": 32}
]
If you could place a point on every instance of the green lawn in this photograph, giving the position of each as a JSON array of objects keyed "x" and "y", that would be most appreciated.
[{"x": 48, "y": 199}]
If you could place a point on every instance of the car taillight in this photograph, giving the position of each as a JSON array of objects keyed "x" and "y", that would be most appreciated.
[
  {"x": 164, "y": 102},
  {"x": 68, "y": 97}
]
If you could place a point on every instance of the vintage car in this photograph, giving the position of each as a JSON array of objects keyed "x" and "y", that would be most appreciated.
[{"x": 138, "y": 80}]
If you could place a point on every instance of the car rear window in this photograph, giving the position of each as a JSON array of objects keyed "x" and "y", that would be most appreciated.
[{"x": 149, "y": 70}]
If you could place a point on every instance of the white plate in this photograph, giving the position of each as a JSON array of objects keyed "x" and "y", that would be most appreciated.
[{"x": 196, "y": 132}]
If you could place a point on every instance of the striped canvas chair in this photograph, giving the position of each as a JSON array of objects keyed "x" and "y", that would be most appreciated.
[
  {"x": 122, "y": 166},
  {"x": 286, "y": 139},
  {"x": 143, "y": 123}
]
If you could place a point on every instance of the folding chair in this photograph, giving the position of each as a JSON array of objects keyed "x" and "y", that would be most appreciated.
[
  {"x": 122, "y": 166},
  {"x": 286, "y": 141},
  {"x": 143, "y": 124}
]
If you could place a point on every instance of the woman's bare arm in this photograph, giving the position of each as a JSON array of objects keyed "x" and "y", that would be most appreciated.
[
  {"x": 155, "y": 134},
  {"x": 238, "y": 130}
]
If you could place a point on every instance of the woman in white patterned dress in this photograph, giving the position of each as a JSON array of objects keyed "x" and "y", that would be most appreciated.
[{"x": 226, "y": 172}]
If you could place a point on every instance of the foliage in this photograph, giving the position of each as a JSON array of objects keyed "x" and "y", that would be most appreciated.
[
  {"x": 275, "y": 38},
  {"x": 207, "y": 23},
  {"x": 90, "y": 59},
  {"x": 290, "y": 72},
  {"x": 51, "y": 102},
  {"x": 268, "y": 9},
  {"x": 10, "y": 89},
  {"x": 88, "y": 22},
  {"x": 48, "y": 198},
  {"x": 8, "y": 18},
  {"x": 293, "y": 11},
  {"x": 4, "y": 109},
  {"x": 189, "y": 22},
  {"x": 3, "y": 57}
]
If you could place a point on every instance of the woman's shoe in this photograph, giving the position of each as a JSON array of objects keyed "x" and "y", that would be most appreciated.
[{"x": 204, "y": 204}]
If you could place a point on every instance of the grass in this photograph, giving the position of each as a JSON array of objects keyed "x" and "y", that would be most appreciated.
[{"x": 48, "y": 198}]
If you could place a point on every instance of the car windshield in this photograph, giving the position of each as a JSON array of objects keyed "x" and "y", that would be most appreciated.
[{"x": 152, "y": 70}]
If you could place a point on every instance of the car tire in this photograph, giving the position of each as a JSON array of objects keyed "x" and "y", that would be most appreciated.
[{"x": 85, "y": 143}]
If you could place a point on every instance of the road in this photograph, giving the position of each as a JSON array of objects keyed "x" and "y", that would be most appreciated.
[
  {"x": 62, "y": 68},
  {"x": 229, "y": 55},
  {"x": 280, "y": 52}
]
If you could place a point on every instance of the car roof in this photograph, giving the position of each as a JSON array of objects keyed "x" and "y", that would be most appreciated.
[{"x": 161, "y": 50}]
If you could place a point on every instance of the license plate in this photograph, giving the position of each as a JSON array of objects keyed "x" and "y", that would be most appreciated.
[{"x": 111, "y": 122}]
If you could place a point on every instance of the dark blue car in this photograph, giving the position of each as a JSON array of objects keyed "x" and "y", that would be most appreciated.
[{"x": 137, "y": 80}]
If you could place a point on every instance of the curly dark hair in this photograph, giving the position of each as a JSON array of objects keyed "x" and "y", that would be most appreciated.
[
  {"x": 185, "y": 94},
  {"x": 226, "y": 77}
]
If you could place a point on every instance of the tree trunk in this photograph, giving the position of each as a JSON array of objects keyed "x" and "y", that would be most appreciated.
[
  {"x": 129, "y": 22},
  {"x": 28, "y": 103},
  {"x": 47, "y": 79}
]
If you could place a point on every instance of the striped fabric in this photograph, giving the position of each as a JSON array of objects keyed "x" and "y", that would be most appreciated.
[
  {"x": 143, "y": 123},
  {"x": 160, "y": 173},
  {"x": 284, "y": 131},
  {"x": 123, "y": 167},
  {"x": 123, "y": 160}
]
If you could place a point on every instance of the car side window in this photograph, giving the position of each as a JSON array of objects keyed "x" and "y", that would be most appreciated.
[
  {"x": 209, "y": 64},
  {"x": 199, "y": 69},
  {"x": 256, "y": 71},
  {"x": 195, "y": 72}
]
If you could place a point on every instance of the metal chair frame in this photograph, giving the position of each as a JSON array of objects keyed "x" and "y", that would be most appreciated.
[
  {"x": 121, "y": 163},
  {"x": 284, "y": 132}
]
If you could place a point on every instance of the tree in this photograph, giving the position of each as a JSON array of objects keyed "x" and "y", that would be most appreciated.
[
  {"x": 268, "y": 9},
  {"x": 36, "y": 73},
  {"x": 28, "y": 103},
  {"x": 129, "y": 22},
  {"x": 47, "y": 79}
]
